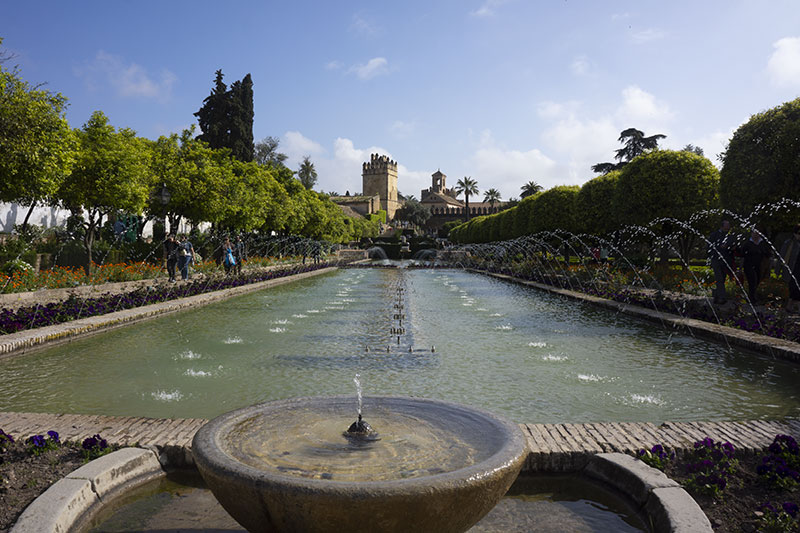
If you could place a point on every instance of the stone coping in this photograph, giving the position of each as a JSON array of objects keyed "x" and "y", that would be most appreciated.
[
  {"x": 29, "y": 340},
  {"x": 73, "y": 500},
  {"x": 600, "y": 451},
  {"x": 78, "y": 495},
  {"x": 780, "y": 348}
]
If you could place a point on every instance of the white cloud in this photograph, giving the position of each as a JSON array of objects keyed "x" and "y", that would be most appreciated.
[
  {"x": 581, "y": 140},
  {"x": 580, "y": 66},
  {"x": 642, "y": 108},
  {"x": 339, "y": 167},
  {"x": 488, "y": 8},
  {"x": 402, "y": 129},
  {"x": 648, "y": 35},
  {"x": 783, "y": 66},
  {"x": 507, "y": 169},
  {"x": 714, "y": 143},
  {"x": 363, "y": 26},
  {"x": 333, "y": 65},
  {"x": 374, "y": 67},
  {"x": 128, "y": 79},
  {"x": 295, "y": 145}
]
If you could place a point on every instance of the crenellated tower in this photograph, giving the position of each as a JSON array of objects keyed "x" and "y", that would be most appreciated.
[{"x": 379, "y": 176}]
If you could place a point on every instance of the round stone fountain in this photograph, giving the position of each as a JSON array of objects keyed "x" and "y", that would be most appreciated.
[{"x": 291, "y": 465}]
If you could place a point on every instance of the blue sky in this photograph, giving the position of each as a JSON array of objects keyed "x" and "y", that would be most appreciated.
[{"x": 504, "y": 91}]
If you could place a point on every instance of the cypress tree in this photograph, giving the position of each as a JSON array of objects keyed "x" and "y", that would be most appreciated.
[
  {"x": 241, "y": 129},
  {"x": 214, "y": 116},
  {"x": 226, "y": 117}
]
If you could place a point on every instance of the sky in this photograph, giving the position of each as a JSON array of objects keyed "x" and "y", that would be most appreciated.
[{"x": 503, "y": 91}]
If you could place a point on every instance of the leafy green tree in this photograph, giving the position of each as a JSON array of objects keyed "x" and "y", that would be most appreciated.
[
  {"x": 267, "y": 154},
  {"x": 37, "y": 146},
  {"x": 307, "y": 173},
  {"x": 694, "y": 149},
  {"x": 666, "y": 184},
  {"x": 635, "y": 144},
  {"x": 111, "y": 173},
  {"x": 596, "y": 204},
  {"x": 530, "y": 189},
  {"x": 253, "y": 199},
  {"x": 492, "y": 197},
  {"x": 413, "y": 212},
  {"x": 469, "y": 187},
  {"x": 761, "y": 163}
]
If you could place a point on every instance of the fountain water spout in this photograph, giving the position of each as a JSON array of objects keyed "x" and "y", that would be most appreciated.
[{"x": 360, "y": 429}]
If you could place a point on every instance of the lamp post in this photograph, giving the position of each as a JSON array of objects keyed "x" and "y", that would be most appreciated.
[{"x": 163, "y": 197}]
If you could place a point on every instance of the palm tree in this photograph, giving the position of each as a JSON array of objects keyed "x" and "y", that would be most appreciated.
[
  {"x": 529, "y": 189},
  {"x": 492, "y": 196},
  {"x": 469, "y": 187},
  {"x": 307, "y": 173}
]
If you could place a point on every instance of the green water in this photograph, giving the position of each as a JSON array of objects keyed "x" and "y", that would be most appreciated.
[{"x": 531, "y": 356}]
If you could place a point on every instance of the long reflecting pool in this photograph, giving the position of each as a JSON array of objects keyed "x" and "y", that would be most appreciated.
[{"x": 465, "y": 338}]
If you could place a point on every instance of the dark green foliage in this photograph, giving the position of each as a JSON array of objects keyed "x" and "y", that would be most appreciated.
[
  {"x": 307, "y": 174},
  {"x": 241, "y": 130},
  {"x": 413, "y": 212},
  {"x": 267, "y": 154},
  {"x": 445, "y": 230},
  {"x": 762, "y": 161},
  {"x": 213, "y": 116},
  {"x": 635, "y": 143},
  {"x": 226, "y": 118}
]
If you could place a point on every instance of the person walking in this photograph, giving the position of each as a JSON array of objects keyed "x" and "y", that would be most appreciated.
[
  {"x": 171, "y": 253},
  {"x": 185, "y": 257},
  {"x": 720, "y": 253},
  {"x": 239, "y": 254},
  {"x": 755, "y": 252},
  {"x": 790, "y": 267},
  {"x": 228, "y": 261}
]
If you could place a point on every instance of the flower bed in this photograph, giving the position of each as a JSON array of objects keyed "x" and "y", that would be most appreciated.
[
  {"x": 74, "y": 308},
  {"x": 22, "y": 280},
  {"x": 738, "y": 492},
  {"x": 28, "y": 467}
]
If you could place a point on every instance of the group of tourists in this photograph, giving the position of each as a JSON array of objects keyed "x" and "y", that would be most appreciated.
[
  {"x": 180, "y": 255},
  {"x": 757, "y": 259},
  {"x": 233, "y": 255}
]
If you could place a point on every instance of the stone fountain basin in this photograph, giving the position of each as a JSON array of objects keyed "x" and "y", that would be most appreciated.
[{"x": 239, "y": 456}]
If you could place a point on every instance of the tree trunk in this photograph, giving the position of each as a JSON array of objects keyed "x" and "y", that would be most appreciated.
[{"x": 30, "y": 210}]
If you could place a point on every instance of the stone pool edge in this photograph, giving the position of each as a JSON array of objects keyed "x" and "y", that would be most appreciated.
[
  {"x": 74, "y": 500},
  {"x": 780, "y": 348},
  {"x": 35, "y": 339},
  {"x": 601, "y": 451}
]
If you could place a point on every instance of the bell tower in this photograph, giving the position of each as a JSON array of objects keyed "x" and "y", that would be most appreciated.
[{"x": 379, "y": 177}]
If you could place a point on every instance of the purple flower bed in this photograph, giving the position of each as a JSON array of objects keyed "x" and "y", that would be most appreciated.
[{"x": 39, "y": 316}]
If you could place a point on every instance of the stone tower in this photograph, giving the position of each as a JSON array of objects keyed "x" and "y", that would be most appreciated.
[{"x": 379, "y": 176}]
